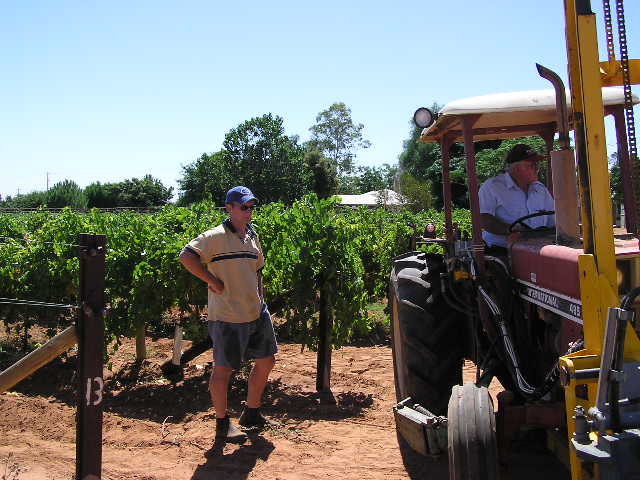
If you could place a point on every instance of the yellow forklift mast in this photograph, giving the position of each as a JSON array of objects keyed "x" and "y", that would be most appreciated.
[{"x": 604, "y": 322}]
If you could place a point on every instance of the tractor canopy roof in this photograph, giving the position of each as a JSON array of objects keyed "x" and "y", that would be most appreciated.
[{"x": 508, "y": 115}]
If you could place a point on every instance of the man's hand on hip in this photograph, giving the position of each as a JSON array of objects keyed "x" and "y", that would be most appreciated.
[{"x": 216, "y": 286}]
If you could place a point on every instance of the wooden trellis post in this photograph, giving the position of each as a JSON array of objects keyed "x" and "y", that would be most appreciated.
[
  {"x": 90, "y": 347},
  {"x": 325, "y": 326}
]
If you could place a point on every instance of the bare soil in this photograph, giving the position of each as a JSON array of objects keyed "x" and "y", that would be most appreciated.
[{"x": 353, "y": 438}]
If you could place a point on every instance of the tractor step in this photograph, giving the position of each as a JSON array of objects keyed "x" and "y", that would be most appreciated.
[{"x": 425, "y": 432}]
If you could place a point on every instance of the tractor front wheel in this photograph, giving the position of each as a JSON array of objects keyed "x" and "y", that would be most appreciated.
[{"x": 471, "y": 433}]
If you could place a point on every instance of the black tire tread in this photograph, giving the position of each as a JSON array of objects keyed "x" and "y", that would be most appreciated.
[
  {"x": 471, "y": 435},
  {"x": 432, "y": 344}
]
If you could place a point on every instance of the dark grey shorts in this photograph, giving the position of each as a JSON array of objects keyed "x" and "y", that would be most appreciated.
[{"x": 233, "y": 343}]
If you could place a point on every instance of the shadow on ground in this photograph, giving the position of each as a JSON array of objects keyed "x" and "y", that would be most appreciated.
[
  {"x": 140, "y": 390},
  {"x": 236, "y": 465},
  {"x": 529, "y": 460}
]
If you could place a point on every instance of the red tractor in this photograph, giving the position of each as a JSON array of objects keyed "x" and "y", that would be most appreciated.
[{"x": 553, "y": 316}]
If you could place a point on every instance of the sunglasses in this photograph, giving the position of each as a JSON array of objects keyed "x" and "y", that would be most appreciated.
[{"x": 244, "y": 208}]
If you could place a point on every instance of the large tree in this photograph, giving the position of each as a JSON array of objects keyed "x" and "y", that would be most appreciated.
[
  {"x": 260, "y": 156},
  {"x": 337, "y": 137},
  {"x": 324, "y": 175},
  {"x": 417, "y": 157},
  {"x": 420, "y": 164},
  {"x": 145, "y": 192},
  {"x": 376, "y": 178},
  {"x": 207, "y": 178},
  {"x": 65, "y": 194},
  {"x": 102, "y": 195}
]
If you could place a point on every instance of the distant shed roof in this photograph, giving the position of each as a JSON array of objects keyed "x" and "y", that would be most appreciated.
[{"x": 373, "y": 198}]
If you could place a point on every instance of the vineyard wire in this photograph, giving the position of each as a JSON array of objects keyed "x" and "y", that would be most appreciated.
[
  {"x": 25, "y": 240},
  {"x": 35, "y": 303}
]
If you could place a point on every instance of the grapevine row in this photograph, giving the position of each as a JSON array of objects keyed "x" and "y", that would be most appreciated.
[{"x": 307, "y": 245}]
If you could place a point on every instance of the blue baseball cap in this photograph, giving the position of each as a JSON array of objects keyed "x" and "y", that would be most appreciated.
[{"x": 240, "y": 195}]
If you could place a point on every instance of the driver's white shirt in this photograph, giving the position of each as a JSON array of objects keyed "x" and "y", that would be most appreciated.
[{"x": 501, "y": 197}]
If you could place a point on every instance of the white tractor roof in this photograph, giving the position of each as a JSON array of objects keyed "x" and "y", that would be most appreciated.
[{"x": 508, "y": 115}]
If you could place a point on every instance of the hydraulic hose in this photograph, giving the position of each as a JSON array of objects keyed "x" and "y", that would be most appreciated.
[
  {"x": 523, "y": 385},
  {"x": 629, "y": 298},
  {"x": 452, "y": 302},
  {"x": 552, "y": 375}
]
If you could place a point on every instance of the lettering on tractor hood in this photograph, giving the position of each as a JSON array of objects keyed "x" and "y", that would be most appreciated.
[{"x": 567, "y": 307}]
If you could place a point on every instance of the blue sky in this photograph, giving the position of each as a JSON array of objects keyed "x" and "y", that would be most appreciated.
[{"x": 103, "y": 91}]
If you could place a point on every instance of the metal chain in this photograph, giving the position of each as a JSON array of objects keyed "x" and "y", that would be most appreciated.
[
  {"x": 606, "y": 6},
  {"x": 628, "y": 100}
]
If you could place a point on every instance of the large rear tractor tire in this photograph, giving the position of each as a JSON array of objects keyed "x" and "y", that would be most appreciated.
[
  {"x": 427, "y": 335},
  {"x": 471, "y": 434}
]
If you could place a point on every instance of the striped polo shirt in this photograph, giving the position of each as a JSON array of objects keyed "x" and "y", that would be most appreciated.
[{"x": 236, "y": 263}]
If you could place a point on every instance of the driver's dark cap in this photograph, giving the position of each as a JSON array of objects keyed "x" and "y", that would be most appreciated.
[{"x": 520, "y": 152}]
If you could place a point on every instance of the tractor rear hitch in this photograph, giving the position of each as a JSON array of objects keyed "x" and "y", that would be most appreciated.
[{"x": 425, "y": 432}]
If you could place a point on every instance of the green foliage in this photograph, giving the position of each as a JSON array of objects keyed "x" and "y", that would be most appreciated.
[
  {"x": 66, "y": 194},
  {"x": 145, "y": 192},
  {"x": 490, "y": 161},
  {"x": 617, "y": 190},
  {"x": 335, "y": 135},
  {"x": 309, "y": 245},
  {"x": 368, "y": 179},
  {"x": 63, "y": 194},
  {"x": 101, "y": 195},
  {"x": 416, "y": 192},
  {"x": 349, "y": 184},
  {"x": 134, "y": 192},
  {"x": 417, "y": 157},
  {"x": 423, "y": 162},
  {"x": 207, "y": 178},
  {"x": 324, "y": 175},
  {"x": 29, "y": 200},
  {"x": 38, "y": 264},
  {"x": 259, "y": 155}
]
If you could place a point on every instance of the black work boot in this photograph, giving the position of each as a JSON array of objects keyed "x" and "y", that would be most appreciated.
[
  {"x": 226, "y": 430},
  {"x": 252, "y": 418}
]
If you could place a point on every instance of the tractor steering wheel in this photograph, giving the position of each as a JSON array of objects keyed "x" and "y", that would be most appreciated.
[{"x": 531, "y": 215}]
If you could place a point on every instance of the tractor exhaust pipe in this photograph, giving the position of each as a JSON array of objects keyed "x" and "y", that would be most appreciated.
[{"x": 563, "y": 166}]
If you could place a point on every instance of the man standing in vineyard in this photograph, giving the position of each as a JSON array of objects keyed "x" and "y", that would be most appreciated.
[{"x": 229, "y": 259}]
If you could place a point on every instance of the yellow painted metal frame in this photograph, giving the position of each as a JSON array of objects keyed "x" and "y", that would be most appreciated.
[
  {"x": 611, "y": 73},
  {"x": 598, "y": 283}
]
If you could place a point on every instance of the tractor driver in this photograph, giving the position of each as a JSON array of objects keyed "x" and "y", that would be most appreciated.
[{"x": 512, "y": 195}]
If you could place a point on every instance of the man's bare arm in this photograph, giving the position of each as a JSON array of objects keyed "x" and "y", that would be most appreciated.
[
  {"x": 260, "y": 286},
  {"x": 191, "y": 261}
]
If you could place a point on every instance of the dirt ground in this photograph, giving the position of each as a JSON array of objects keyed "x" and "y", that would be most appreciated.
[{"x": 351, "y": 439}]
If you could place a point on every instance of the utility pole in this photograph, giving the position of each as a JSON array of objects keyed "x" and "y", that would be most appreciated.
[{"x": 48, "y": 181}]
